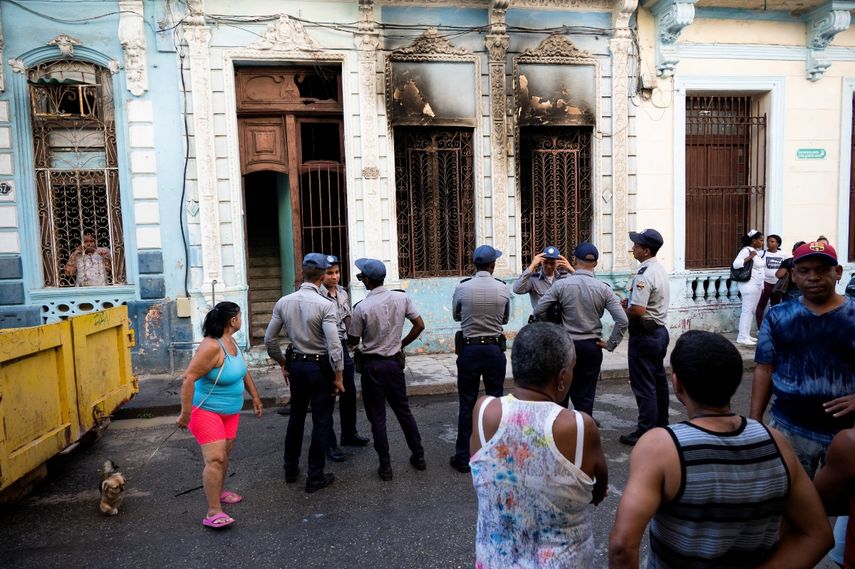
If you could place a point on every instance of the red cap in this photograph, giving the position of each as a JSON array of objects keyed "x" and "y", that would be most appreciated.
[{"x": 815, "y": 249}]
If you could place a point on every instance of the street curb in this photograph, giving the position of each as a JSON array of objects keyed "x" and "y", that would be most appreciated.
[{"x": 164, "y": 400}]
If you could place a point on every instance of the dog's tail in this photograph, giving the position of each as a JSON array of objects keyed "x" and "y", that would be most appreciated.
[{"x": 109, "y": 468}]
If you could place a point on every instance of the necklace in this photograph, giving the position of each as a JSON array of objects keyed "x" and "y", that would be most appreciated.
[{"x": 705, "y": 415}]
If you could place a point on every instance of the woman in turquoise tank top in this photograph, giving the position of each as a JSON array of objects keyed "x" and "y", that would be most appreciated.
[{"x": 211, "y": 400}]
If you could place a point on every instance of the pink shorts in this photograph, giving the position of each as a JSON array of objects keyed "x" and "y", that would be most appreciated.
[{"x": 209, "y": 427}]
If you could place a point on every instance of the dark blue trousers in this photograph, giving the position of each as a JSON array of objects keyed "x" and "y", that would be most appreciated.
[
  {"x": 310, "y": 383},
  {"x": 346, "y": 402},
  {"x": 647, "y": 376},
  {"x": 383, "y": 380},
  {"x": 473, "y": 363},
  {"x": 586, "y": 373}
]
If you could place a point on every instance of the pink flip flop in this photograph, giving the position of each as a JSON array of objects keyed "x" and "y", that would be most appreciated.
[
  {"x": 229, "y": 497},
  {"x": 218, "y": 521}
]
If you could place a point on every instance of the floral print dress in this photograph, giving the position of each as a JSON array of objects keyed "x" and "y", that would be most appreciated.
[{"x": 533, "y": 503}]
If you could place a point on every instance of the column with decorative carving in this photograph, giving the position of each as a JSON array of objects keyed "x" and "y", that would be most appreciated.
[
  {"x": 367, "y": 41},
  {"x": 132, "y": 38},
  {"x": 497, "y": 47},
  {"x": 198, "y": 36},
  {"x": 620, "y": 46}
]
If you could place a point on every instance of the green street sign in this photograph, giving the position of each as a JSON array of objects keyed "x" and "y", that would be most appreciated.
[{"x": 811, "y": 154}]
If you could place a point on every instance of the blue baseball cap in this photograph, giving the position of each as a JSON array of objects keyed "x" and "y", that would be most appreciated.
[
  {"x": 372, "y": 268},
  {"x": 551, "y": 252},
  {"x": 586, "y": 252},
  {"x": 333, "y": 260},
  {"x": 485, "y": 254},
  {"x": 317, "y": 261},
  {"x": 647, "y": 238}
]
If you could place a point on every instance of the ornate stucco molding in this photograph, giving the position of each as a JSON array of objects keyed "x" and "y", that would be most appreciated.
[
  {"x": 66, "y": 44},
  {"x": 198, "y": 37},
  {"x": 671, "y": 18},
  {"x": 497, "y": 42},
  {"x": 132, "y": 39},
  {"x": 286, "y": 34},
  {"x": 2, "y": 44},
  {"x": 822, "y": 24},
  {"x": 620, "y": 46},
  {"x": 555, "y": 49},
  {"x": 591, "y": 5},
  {"x": 430, "y": 46},
  {"x": 17, "y": 65}
]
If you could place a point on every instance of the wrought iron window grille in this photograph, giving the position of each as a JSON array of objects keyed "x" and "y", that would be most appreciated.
[{"x": 76, "y": 170}]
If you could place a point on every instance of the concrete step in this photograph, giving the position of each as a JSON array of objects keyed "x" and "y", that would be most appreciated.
[
  {"x": 265, "y": 307},
  {"x": 265, "y": 271},
  {"x": 265, "y": 283},
  {"x": 265, "y": 295},
  {"x": 264, "y": 261}
]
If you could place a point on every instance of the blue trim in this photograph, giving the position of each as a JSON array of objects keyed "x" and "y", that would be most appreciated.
[
  {"x": 746, "y": 14},
  {"x": 24, "y": 160}
]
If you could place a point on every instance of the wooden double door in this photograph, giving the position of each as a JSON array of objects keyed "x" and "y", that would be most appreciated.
[{"x": 290, "y": 124}]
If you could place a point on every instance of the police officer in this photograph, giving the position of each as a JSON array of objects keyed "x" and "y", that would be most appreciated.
[
  {"x": 545, "y": 269},
  {"x": 314, "y": 369},
  {"x": 379, "y": 321},
  {"x": 583, "y": 300},
  {"x": 332, "y": 290},
  {"x": 482, "y": 305},
  {"x": 647, "y": 310}
]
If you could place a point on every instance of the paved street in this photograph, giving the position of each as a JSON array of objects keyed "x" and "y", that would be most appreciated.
[{"x": 420, "y": 520}]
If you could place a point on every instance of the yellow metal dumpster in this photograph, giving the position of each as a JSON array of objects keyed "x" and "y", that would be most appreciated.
[{"x": 57, "y": 382}]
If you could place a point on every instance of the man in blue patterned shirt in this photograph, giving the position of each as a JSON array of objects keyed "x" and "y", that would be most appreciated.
[{"x": 806, "y": 357}]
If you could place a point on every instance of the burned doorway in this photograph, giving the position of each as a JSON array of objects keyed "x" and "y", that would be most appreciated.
[
  {"x": 555, "y": 188},
  {"x": 292, "y": 158}
]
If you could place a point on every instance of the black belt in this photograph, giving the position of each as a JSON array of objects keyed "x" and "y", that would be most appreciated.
[
  {"x": 309, "y": 357},
  {"x": 481, "y": 340},
  {"x": 369, "y": 357}
]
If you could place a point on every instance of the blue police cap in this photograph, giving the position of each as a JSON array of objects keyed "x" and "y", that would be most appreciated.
[
  {"x": 551, "y": 252},
  {"x": 316, "y": 261},
  {"x": 647, "y": 238},
  {"x": 586, "y": 252},
  {"x": 333, "y": 260},
  {"x": 372, "y": 268},
  {"x": 485, "y": 254}
]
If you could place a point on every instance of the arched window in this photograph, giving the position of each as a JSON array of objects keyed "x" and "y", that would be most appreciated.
[{"x": 77, "y": 178}]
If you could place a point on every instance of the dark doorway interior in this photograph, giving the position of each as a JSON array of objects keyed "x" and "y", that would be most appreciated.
[{"x": 267, "y": 254}]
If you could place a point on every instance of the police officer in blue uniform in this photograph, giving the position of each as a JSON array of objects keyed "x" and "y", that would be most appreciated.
[
  {"x": 545, "y": 269},
  {"x": 314, "y": 369},
  {"x": 379, "y": 321},
  {"x": 647, "y": 310},
  {"x": 482, "y": 305},
  {"x": 332, "y": 290}
]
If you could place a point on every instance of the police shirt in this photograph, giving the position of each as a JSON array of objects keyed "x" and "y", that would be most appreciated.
[
  {"x": 311, "y": 322},
  {"x": 342, "y": 305},
  {"x": 650, "y": 288},
  {"x": 481, "y": 304},
  {"x": 379, "y": 320},
  {"x": 535, "y": 284},
  {"x": 583, "y": 301}
]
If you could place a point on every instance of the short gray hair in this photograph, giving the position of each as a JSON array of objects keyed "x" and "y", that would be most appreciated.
[{"x": 541, "y": 350}]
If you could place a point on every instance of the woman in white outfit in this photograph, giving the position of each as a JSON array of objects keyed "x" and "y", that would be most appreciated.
[{"x": 750, "y": 290}]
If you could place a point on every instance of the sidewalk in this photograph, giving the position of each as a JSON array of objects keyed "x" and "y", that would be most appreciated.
[{"x": 427, "y": 374}]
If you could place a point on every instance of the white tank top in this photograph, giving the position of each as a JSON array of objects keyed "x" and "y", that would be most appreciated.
[{"x": 533, "y": 503}]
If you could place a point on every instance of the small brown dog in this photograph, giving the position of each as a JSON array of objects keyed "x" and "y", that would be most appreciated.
[{"x": 112, "y": 486}]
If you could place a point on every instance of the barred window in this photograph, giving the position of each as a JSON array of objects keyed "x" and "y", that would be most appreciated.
[
  {"x": 76, "y": 170},
  {"x": 434, "y": 193},
  {"x": 725, "y": 176}
]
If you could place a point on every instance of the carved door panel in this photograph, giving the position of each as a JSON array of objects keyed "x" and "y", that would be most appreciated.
[{"x": 262, "y": 145}]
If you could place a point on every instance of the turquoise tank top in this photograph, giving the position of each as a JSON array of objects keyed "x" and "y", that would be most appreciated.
[{"x": 226, "y": 397}]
